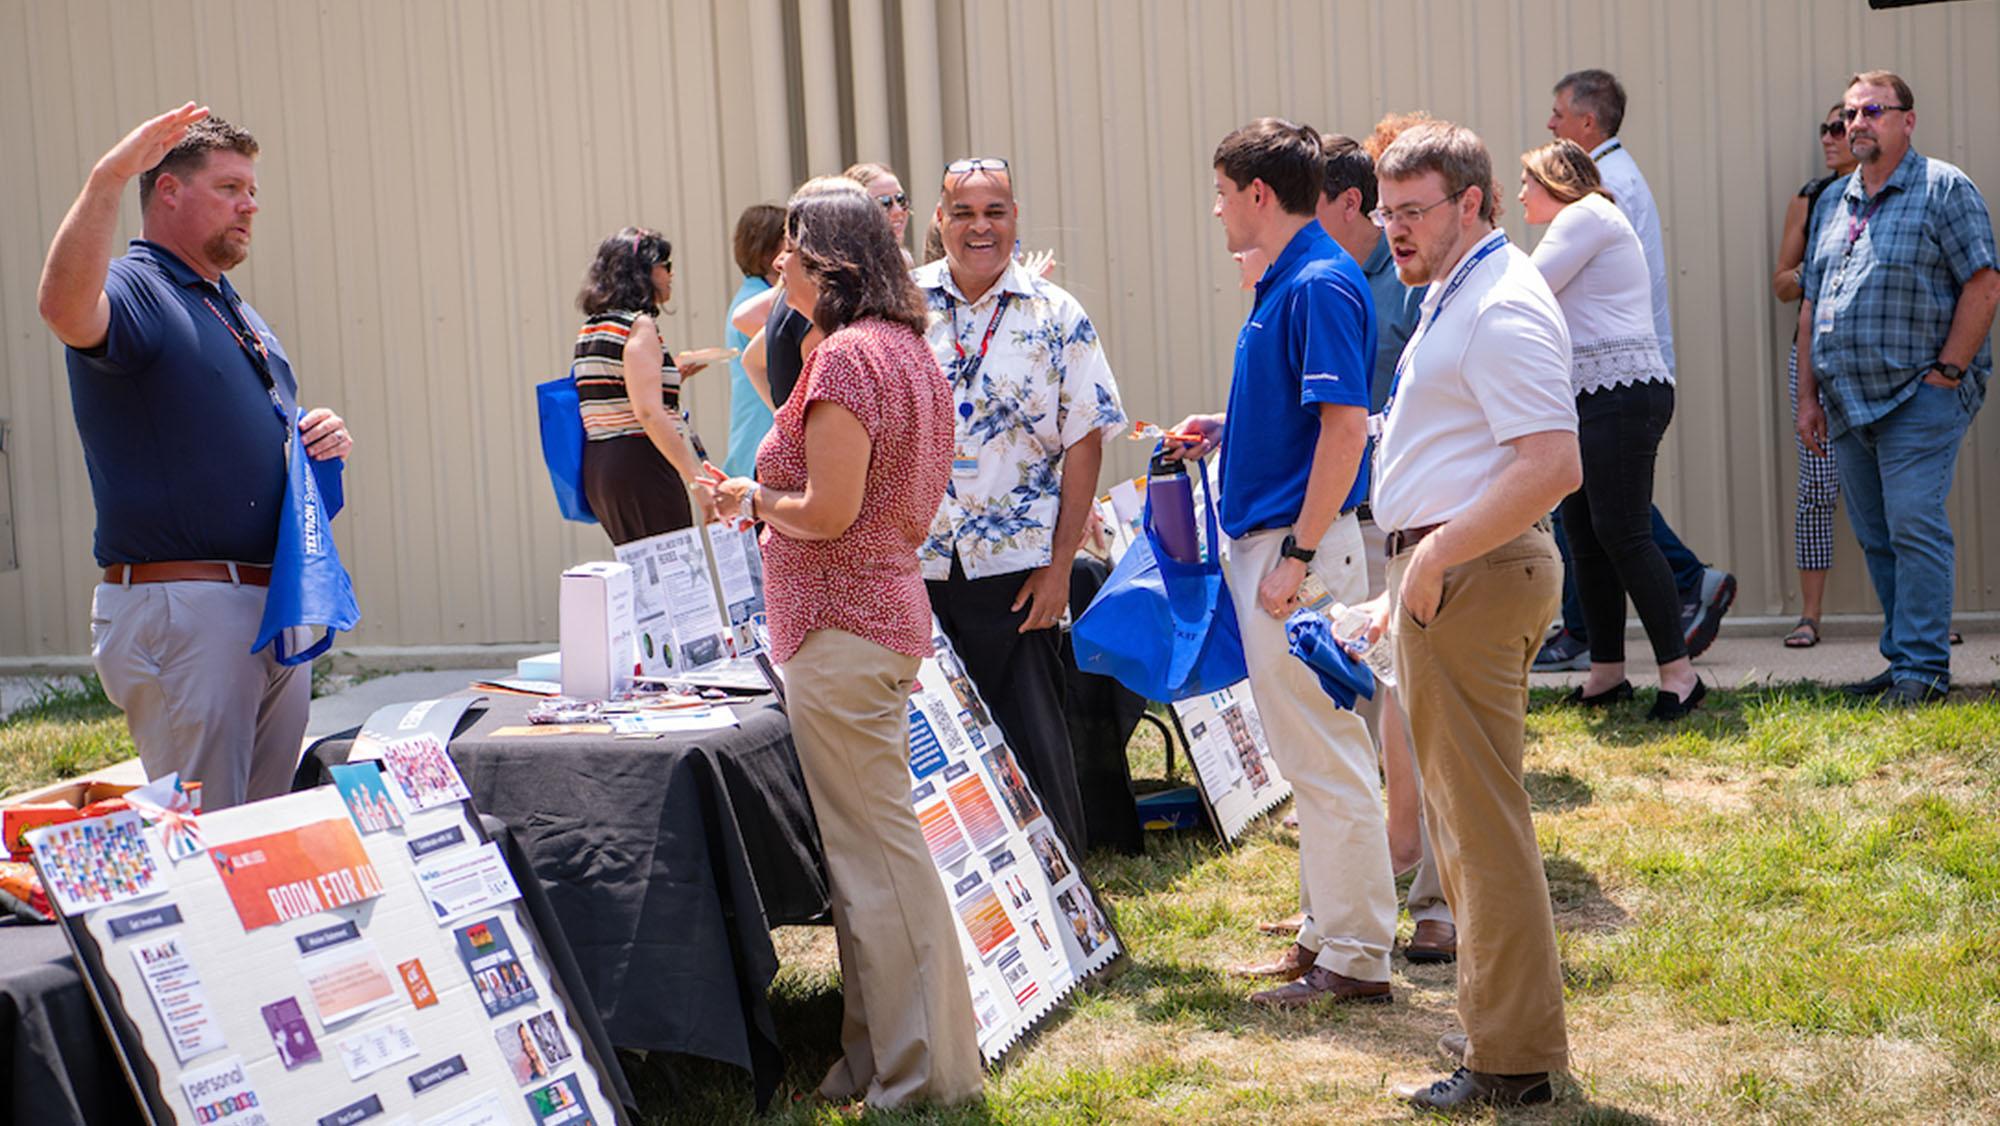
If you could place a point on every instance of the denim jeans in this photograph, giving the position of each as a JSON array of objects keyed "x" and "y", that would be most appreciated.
[
  {"x": 1896, "y": 473},
  {"x": 1687, "y": 568}
]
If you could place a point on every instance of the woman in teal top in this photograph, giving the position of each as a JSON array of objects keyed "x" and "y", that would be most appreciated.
[{"x": 760, "y": 233}]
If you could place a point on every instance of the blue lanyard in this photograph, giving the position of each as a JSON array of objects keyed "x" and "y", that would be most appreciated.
[{"x": 1458, "y": 279}]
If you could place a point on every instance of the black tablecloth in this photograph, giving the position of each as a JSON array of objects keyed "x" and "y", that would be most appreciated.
[
  {"x": 668, "y": 861},
  {"x": 62, "y": 1065}
]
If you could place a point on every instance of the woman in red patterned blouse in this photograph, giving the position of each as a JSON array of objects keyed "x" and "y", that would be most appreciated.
[{"x": 852, "y": 472}]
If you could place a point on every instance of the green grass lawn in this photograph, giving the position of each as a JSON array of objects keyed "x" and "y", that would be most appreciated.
[
  {"x": 65, "y": 731},
  {"x": 1785, "y": 910}
]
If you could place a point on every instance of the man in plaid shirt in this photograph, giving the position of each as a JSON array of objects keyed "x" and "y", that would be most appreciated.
[{"x": 1900, "y": 287}]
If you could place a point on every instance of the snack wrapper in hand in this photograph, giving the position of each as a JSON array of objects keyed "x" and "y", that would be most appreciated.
[
  {"x": 1342, "y": 676},
  {"x": 21, "y": 893}
]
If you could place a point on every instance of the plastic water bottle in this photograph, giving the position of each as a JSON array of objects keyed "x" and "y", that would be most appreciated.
[
  {"x": 1350, "y": 629},
  {"x": 1171, "y": 494}
]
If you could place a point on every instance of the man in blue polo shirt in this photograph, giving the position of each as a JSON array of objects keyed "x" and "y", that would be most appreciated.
[
  {"x": 182, "y": 397},
  {"x": 1293, "y": 443}
]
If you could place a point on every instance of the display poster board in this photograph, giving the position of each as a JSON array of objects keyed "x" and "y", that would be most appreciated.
[
  {"x": 1233, "y": 766},
  {"x": 698, "y": 601},
  {"x": 352, "y": 955},
  {"x": 1031, "y": 927}
]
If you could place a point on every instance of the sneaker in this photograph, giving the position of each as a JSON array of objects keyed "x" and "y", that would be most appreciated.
[
  {"x": 1702, "y": 618},
  {"x": 1563, "y": 653}
]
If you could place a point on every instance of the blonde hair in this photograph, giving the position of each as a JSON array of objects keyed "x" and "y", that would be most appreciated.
[{"x": 1565, "y": 171}]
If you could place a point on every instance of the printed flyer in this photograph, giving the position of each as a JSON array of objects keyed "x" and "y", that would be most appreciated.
[
  {"x": 739, "y": 570},
  {"x": 462, "y": 881},
  {"x": 1029, "y": 926},
  {"x": 222, "y": 1093},
  {"x": 178, "y": 997},
  {"x": 678, "y": 622},
  {"x": 367, "y": 796},
  {"x": 90, "y": 864},
  {"x": 347, "y": 980},
  {"x": 423, "y": 770},
  {"x": 535, "y": 1048},
  {"x": 500, "y": 978},
  {"x": 559, "y": 1104},
  {"x": 298, "y": 872},
  {"x": 1233, "y": 765}
]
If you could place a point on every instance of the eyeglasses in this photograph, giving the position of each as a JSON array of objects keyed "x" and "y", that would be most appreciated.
[
  {"x": 976, "y": 164},
  {"x": 900, "y": 199},
  {"x": 1409, "y": 215},
  {"x": 1833, "y": 129},
  {"x": 1871, "y": 111}
]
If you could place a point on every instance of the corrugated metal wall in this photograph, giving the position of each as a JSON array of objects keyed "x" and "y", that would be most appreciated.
[{"x": 436, "y": 175}]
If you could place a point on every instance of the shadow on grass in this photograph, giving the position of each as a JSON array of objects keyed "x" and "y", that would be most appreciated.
[
  {"x": 1579, "y": 900},
  {"x": 1556, "y": 791}
]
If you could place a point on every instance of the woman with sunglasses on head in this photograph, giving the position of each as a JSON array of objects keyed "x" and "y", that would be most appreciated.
[
  {"x": 1592, "y": 259},
  {"x": 1819, "y": 477},
  {"x": 852, "y": 473},
  {"x": 638, "y": 454}
]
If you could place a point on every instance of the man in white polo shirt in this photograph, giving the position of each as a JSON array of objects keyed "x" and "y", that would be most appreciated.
[{"x": 1477, "y": 444}]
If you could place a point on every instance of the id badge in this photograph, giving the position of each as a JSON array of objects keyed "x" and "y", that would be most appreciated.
[
  {"x": 964, "y": 464},
  {"x": 1823, "y": 319},
  {"x": 1375, "y": 424}
]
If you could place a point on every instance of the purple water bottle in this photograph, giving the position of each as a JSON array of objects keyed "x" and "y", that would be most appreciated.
[{"x": 1171, "y": 495}]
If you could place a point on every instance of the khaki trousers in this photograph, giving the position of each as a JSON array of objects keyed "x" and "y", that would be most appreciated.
[
  {"x": 907, "y": 1031},
  {"x": 1426, "y": 898},
  {"x": 1465, "y": 682},
  {"x": 1345, "y": 882},
  {"x": 175, "y": 658}
]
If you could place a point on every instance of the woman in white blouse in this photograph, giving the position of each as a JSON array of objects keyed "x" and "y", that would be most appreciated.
[{"x": 1624, "y": 400}]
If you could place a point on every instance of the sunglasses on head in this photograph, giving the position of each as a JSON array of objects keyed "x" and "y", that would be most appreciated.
[
  {"x": 1833, "y": 129},
  {"x": 1871, "y": 111},
  {"x": 899, "y": 199},
  {"x": 975, "y": 164}
]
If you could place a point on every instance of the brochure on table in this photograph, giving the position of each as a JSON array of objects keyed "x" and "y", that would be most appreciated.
[
  {"x": 1233, "y": 767},
  {"x": 1030, "y": 926},
  {"x": 698, "y": 602},
  {"x": 355, "y": 954}
]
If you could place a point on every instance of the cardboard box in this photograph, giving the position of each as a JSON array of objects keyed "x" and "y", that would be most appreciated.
[
  {"x": 596, "y": 630},
  {"x": 51, "y": 806}
]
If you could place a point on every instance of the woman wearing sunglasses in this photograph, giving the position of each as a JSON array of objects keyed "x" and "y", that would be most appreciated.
[
  {"x": 639, "y": 452},
  {"x": 883, "y": 186},
  {"x": 1819, "y": 478},
  {"x": 1593, "y": 261},
  {"x": 851, "y": 475}
]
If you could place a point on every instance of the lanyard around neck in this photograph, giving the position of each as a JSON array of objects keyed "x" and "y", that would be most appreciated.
[
  {"x": 1459, "y": 276},
  {"x": 253, "y": 347},
  {"x": 970, "y": 368}
]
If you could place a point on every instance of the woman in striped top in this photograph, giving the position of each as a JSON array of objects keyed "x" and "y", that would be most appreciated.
[{"x": 640, "y": 452}]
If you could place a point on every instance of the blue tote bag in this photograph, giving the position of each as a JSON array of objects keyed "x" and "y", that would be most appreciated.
[
  {"x": 1164, "y": 629},
  {"x": 562, "y": 445},
  {"x": 309, "y": 588}
]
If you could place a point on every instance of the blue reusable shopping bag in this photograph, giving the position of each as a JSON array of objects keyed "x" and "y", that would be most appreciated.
[
  {"x": 1164, "y": 629},
  {"x": 1344, "y": 678},
  {"x": 309, "y": 587},
  {"x": 562, "y": 445}
]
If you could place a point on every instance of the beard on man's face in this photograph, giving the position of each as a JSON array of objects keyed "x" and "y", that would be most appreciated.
[{"x": 225, "y": 250}]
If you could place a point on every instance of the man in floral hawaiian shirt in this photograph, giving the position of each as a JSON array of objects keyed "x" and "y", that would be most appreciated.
[{"x": 1035, "y": 402}]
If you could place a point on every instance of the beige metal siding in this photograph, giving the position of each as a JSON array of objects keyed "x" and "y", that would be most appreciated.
[{"x": 436, "y": 175}]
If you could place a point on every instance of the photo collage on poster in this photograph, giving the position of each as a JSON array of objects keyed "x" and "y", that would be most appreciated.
[
  {"x": 1031, "y": 928},
  {"x": 1233, "y": 766},
  {"x": 353, "y": 954}
]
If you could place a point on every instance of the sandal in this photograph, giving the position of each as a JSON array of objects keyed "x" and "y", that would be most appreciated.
[
  {"x": 1957, "y": 638},
  {"x": 1805, "y": 635}
]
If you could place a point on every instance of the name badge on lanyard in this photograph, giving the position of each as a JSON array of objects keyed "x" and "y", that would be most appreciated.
[
  {"x": 965, "y": 456},
  {"x": 1857, "y": 225}
]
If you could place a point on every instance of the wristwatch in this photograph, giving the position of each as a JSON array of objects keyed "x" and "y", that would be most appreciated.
[
  {"x": 1951, "y": 372},
  {"x": 1290, "y": 549}
]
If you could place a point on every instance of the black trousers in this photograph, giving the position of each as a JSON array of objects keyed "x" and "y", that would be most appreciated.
[
  {"x": 1102, "y": 715},
  {"x": 1610, "y": 521},
  {"x": 1020, "y": 676},
  {"x": 634, "y": 491}
]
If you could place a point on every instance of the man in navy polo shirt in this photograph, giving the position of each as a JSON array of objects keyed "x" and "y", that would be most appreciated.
[
  {"x": 1293, "y": 470},
  {"x": 178, "y": 389}
]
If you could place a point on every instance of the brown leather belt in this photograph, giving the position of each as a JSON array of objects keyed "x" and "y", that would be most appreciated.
[
  {"x": 247, "y": 574},
  {"x": 1399, "y": 541}
]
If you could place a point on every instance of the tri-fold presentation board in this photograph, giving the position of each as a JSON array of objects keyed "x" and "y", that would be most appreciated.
[
  {"x": 1032, "y": 929},
  {"x": 352, "y": 955}
]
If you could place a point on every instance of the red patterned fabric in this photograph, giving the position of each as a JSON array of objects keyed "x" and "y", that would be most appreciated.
[{"x": 866, "y": 582}]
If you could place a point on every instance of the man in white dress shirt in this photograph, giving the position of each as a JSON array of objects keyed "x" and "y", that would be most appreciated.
[{"x": 1589, "y": 110}]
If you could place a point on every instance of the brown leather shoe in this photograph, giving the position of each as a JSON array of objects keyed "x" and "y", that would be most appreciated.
[
  {"x": 1321, "y": 984},
  {"x": 1435, "y": 941},
  {"x": 1289, "y": 966},
  {"x": 1283, "y": 927}
]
